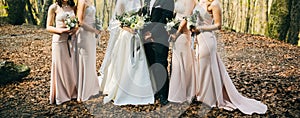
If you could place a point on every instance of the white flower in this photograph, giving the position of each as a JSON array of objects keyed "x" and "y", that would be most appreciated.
[
  {"x": 169, "y": 26},
  {"x": 140, "y": 23},
  {"x": 68, "y": 20},
  {"x": 128, "y": 19},
  {"x": 72, "y": 25}
]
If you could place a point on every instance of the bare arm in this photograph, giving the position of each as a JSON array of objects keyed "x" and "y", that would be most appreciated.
[
  {"x": 217, "y": 15},
  {"x": 188, "y": 11},
  {"x": 51, "y": 19},
  {"x": 80, "y": 14}
]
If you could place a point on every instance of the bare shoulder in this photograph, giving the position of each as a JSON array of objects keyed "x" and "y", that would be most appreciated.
[
  {"x": 215, "y": 4},
  {"x": 53, "y": 7},
  {"x": 81, "y": 1}
]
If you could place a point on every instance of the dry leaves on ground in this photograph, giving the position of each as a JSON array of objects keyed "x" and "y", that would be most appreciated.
[{"x": 261, "y": 68}]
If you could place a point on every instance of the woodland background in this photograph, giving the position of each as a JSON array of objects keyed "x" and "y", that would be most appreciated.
[{"x": 278, "y": 19}]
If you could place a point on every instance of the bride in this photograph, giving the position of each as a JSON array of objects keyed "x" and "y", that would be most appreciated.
[{"x": 126, "y": 78}]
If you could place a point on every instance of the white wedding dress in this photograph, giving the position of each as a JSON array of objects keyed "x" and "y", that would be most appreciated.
[{"x": 126, "y": 78}]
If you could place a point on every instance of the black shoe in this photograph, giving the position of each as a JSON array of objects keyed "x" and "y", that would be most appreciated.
[
  {"x": 163, "y": 100},
  {"x": 156, "y": 96}
]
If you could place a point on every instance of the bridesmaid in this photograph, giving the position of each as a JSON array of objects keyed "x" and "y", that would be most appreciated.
[
  {"x": 214, "y": 86},
  {"x": 87, "y": 76},
  {"x": 63, "y": 80},
  {"x": 182, "y": 81}
]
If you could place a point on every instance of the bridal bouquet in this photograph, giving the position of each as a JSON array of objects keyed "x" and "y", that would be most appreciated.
[
  {"x": 132, "y": 20},
  {"x": 191, "y": 24},
  {"x": 71, "y": 22},
  {"x": 172, "y": 25},
  {"x": 192, "y": 20},
  {"x": 97, "y": 25}
]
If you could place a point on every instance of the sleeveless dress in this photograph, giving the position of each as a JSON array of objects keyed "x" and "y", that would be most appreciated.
[
  {"x": 87, "y": 75},
  {"x": 182, "y": 82},
  {"x": 214, "y": 86},
  {"x": 126, "y": 77},
  {"x": 63, "y": 78}
]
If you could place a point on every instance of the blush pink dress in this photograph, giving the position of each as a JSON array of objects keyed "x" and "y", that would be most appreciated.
[
  {"x": 63, "y": 79},
  {"x": 87, "y": 75},
  {"x": 214, "y": 86},
  {"x": 182, "y": 82}
]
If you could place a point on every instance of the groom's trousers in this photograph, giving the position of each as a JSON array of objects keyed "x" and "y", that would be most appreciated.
[{"x": 157, "y": 55}]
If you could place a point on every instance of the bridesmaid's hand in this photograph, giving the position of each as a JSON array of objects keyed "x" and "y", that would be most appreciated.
[
  {"x": 174, "y": 36},
  {"x": 98, "y": 32},
  {"x": 64, "y": 30},
  {"x": 73, "y": 31},
  {"x": 196, "y": 30}
]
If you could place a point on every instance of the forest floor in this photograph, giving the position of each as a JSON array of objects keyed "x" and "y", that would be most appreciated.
[{"x": 261, "y": 68}]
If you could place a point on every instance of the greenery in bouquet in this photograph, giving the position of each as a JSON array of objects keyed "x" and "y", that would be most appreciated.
[
  {"x": 97, "y": 25},
  {"x": 132, "y": 20},
  {"x": 172, "y": 25},
  {"x": 71, "y": 21},
  {"x": 192, "y": 20}
]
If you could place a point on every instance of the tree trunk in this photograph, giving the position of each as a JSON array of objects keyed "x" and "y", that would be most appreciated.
[
  {"x": 16, "y": 11},
  {"x": 279, "y": 19},
  {"x": 103, "y": 11},
  {"x": 29, "y": 15},
  {"x": 248, "y": 16},
  {"x": 43, "y": 17},
  {"x": 295, "y": 23}
]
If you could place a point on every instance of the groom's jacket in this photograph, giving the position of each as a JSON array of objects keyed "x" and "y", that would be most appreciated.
[{"x": 161, "y": 11}]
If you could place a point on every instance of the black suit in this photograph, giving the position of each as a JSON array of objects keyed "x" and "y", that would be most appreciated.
[{"x": 157, "y": 51}]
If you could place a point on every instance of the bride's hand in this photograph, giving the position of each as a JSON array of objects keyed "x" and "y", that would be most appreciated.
[{"x": 128, "y": 29}]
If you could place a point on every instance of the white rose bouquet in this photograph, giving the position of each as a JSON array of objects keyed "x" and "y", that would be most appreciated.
[
  {"x": 71, "y": 22},
  {"x": 132, "y": 20},
  {"x": 172, "y": 26},
  {"x": 191, "y": 24},
  {"x": 192, "y": 20}
]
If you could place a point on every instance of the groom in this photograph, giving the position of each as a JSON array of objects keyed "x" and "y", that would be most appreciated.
[{"x": 156, "y": 44}]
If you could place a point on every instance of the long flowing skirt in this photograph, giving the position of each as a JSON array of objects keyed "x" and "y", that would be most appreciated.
[
  {"x": 63, "y": 79},
  {"x": 127, "y": 78},
  {"x": 182, "y": 82},
  {"x": 87, "y": 75},
  {"x": 214, "y": 86}
]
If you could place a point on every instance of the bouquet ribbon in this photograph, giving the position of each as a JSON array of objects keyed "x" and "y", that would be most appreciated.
[{"x": 69, "y": 38}]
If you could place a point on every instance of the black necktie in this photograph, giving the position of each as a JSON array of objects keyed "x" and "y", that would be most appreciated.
[{"x": 147, "y": 4}]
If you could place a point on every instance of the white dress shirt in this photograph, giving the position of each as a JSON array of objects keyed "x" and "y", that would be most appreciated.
[{"x": 151, "y": 5}]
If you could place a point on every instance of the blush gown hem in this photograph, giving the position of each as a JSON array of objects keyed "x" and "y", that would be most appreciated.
[
  {"x": 212, "y": 76},
  {"x": 63, "y": 78},
  {"x": 182, "y": 80},
  {"x": 88, "y": 84}
]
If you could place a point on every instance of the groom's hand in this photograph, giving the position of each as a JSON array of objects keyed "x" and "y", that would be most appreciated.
[{"x": 148, "y": 36}]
